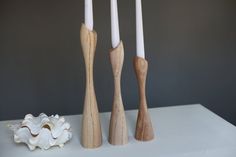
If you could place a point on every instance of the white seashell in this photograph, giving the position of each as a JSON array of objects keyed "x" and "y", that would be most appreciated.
[{"x": 42, "y": 131}]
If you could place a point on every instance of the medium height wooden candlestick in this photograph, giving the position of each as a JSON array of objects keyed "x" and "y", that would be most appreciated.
[
  {"x": 118, "y": 130},
  {"x": 144, "y": 130},
  {"x": 91, "y": 128}
]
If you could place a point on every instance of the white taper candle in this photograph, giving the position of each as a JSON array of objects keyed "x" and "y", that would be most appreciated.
[
  {"x": 115, "y": 34},
  {"x": 139, "y": 30},
  {"x": 88, "y": 6}
]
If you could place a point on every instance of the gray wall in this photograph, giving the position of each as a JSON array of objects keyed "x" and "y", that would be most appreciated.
[{"x": 190, "y": 45}]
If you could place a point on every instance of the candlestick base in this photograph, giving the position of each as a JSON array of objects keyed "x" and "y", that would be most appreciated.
[
  {"x": 118, "y": 134},
  {"x": 91, "y": 127},
  {"x": 144, "y": 130}
]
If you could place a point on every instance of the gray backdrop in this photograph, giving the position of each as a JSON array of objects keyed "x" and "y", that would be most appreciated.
[{"x": 190, "y": 46}]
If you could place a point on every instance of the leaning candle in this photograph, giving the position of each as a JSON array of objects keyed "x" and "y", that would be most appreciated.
[
  {"x": 115, "y": 34},
  {"x": 139, "y": 30},
  {"x": 88, "y": 14}
]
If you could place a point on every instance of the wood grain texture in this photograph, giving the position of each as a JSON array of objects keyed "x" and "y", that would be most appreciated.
[
  {"x": 91, "y": 127},
  {"x": 144, "y": 130},
  {"x": 118, "y": 134}
]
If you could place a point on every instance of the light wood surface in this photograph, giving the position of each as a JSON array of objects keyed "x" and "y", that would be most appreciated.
[
  {"x": 91, "y": 128},
  {"x": 144, "y": 130},
  {"x": 118, "y": 134}
]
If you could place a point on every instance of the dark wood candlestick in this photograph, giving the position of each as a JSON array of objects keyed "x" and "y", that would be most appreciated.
[{"x": 144, "y": 130}]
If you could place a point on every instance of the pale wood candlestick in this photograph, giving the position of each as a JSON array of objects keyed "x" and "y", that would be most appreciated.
[
  {"x": 91, "y": 127},
  {"x": 144, "y": 130},
  {"x": 118, "y": 134}
]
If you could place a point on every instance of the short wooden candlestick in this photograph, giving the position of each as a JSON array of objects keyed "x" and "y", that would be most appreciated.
[
  {"x": 91, "y": 127},
  {"x": 144, "y": 130},
  {"x": 118, "y": 130}
]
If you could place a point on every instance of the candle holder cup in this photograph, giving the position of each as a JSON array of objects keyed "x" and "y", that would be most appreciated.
[
  {"x": 91, "y": 127},
  {"x": 118, "y": 134},
  {"x": 144, "y": 130}
]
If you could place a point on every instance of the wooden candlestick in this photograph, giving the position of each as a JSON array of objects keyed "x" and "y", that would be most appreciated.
[
  {"x": 118, "y": 134},
  {"x": 91, "y": 127},
  {"x": 144, "y": 130}
]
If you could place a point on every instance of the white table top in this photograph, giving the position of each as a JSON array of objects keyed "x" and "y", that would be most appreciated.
[{"x": 181, "y": 131}]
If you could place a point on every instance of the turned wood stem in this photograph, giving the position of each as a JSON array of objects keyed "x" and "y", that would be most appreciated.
[
  {"x": 91, "y": 127},
  {"x": 118, "y": 134},
  {"x": 144, "y": 130}
]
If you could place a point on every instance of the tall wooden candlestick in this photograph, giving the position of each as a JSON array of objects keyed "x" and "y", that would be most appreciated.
[
  {"x": 118, "y": 134},
  {"x": 91, "y": 128},
  {"x": 144, "y": 130}
]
